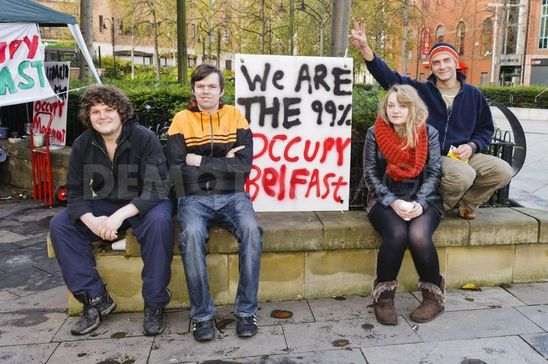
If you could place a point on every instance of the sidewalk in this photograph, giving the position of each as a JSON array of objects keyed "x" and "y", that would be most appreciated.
[{"x": 496, "y": 325}]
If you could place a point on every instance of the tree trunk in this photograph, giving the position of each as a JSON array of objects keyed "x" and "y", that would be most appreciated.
[
  {"x": 86, "y": 22},
  {"x": 182, "y": 57},
  {"x": 156, "y": 36},
  {"x": 340, "y": 27},
  {"x": 405, "y": 37}
]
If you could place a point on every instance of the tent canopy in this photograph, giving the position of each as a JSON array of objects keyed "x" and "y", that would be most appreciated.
[{"x": 27, "y": 11}]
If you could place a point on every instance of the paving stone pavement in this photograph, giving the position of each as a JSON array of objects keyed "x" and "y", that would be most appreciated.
[{"x": 507, "y": 325}]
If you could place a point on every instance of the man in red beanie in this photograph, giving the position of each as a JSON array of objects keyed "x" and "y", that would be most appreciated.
[{"x": 463, "y": 119}]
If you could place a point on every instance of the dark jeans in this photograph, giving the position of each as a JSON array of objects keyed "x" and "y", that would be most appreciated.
[
  {"x": 235, "y": 211},
  {"x": 398, "y": 234},
  {"x": 154, "y": 231}
]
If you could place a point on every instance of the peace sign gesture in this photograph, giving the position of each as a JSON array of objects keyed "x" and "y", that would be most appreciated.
[{"x": 358, "y": 38}]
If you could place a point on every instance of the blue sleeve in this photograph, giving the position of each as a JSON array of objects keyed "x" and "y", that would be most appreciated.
[{"x": 385, "y": 76}]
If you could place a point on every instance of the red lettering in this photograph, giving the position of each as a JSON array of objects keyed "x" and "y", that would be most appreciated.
[
  {"x": 264, "y": 139},
  {"x": 340, "y": 146},
  {"x": 251, "y": 182},
  {"x": 14, "y": 45},
  {"x": 270, "y": 178},
  {"x": 296, "y": 179},
  {"x": 288, "y": 147},
  {"x": 307, "y": 156},
  {"x": 328, "y": 144},
  {"x": 326, "y": 184},
  {"x": 314, "y": 182},
  {"x": 340, "y": 183},
  {"x": 32, "y": 45},
  {"x": 281, "y": 194},
  {"x": 3, "y": 47},
  {"x": 271, "y": 147}
]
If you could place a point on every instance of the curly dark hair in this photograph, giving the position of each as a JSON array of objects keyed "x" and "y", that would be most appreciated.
[{"x": 108, "y": 95}]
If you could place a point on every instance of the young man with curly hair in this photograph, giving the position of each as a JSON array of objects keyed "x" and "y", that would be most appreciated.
[{"x": 117, "y": 179}]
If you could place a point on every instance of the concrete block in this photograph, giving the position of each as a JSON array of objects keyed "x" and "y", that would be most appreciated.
[
  {"x": 542, "y": 217},
  {"x": 472, "y": 324},
  {"x": 28, "y": 354},
  {"x": 29, "y": 327},
  {"x": 122, "y": 276},
  {"x": 539, "y": 342},
  {"x": 300, "y": 313},
  {"x": 281, "y": 277},
  {"x": 342, "y": 272},
  {"x": 488, "y": 297},
  {"x": 502, "y": 226},
  {"x": 133, "y": 350},
  {"x": 290, "y": 231},
  {"x": 531, "y": 263},
  {"x": 452, "y": 231},
  {"x": 488, "y": 265},
  {"x": 538, "y": 314},
  {"x": 531, "y": 293},
  {"x": 490, "y": 350},
  {"x": 324, "y": 335},
  {"x": 348, "y": 230},
  {"x": 183, "y": 348}
]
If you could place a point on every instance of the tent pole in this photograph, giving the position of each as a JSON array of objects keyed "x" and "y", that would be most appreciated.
[{"x": 75, "y": 30}]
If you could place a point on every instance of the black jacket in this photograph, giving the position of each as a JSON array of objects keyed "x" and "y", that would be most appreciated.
[
  {"x": 383, "y": 190},
  {"x": 138, "y": 173}
]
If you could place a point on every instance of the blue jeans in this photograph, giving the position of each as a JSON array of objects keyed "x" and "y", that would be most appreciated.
[
  {"x": 154, "y": 231},
  {"x": 234, "y": 211}
]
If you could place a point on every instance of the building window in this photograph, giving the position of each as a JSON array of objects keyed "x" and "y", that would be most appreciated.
[
  {"x": 461, "y": 32},
  {"x": 511, "y": 33},
  {"x": 440, "y": 33},
  {"x": 101, "y": 23},
  {"x": 543, "y": 36},
  {"x": 487, "y": 37}
]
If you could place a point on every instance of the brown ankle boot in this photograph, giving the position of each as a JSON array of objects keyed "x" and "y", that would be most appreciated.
[
  {"x": 433, "y": 298},
  {"x": 383, "y": 301}
]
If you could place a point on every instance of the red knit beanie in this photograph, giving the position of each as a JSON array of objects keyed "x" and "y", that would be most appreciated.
[{"x": 442, "y": 47}]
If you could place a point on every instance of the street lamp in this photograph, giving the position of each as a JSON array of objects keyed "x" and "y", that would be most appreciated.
[
  {"x": 314, "y": 14},
  {"x": 113, "y": 40}
]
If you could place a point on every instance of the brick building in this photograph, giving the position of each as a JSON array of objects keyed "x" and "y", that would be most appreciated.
[{"x": 499, "y": 41}]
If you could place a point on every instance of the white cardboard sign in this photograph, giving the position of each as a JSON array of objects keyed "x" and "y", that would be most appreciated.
[{"x": 300, "y": 112}]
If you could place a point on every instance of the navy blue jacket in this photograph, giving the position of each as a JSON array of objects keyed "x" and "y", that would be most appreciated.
[{"x": 470, "y": 119}]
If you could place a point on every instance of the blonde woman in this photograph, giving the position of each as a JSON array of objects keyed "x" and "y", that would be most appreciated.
[{"x": 402, "y": 170}]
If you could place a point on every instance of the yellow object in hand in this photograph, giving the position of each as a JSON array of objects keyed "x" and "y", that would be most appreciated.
[{"x": 454, "y": 155}]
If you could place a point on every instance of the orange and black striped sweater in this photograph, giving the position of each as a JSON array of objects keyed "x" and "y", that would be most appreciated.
[{"x": 210, "y": 135}]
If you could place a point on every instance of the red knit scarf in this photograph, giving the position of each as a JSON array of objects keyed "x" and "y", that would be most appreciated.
[{"x": 401, "y": 163}]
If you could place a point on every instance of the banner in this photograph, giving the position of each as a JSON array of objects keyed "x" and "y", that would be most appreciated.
[
  {"x": 300, "y": 112},
  {"x": 55, "y": 108},
  {"x": 22, "y": 74}
]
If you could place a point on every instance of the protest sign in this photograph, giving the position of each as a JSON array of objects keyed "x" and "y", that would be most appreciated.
[
  {"x": 22, "y": 73},
  {"x": 300, "y": 112},
  {"x": 54, "y": 109}
]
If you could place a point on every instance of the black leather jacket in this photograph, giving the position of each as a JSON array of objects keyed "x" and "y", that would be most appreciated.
[{"x": 382, "y": 189}]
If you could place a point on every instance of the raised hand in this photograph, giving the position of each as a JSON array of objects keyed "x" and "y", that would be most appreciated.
[{"x": 358, "y": 38}]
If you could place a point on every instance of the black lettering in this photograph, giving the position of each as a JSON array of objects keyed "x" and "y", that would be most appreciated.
[
  {"x": 289, "y": 112},
  {"x": 337, "y": 73},
  {"x": 304, "y": 75},
  {"x": 320, "y": 72},
  {"x": 257, "y": 78},
  {"x": 278, "y": 75}
]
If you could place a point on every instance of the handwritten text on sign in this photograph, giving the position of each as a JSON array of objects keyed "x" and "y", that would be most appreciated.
[
  {"x": 299, "y": 109},
  {"x": 22, "y": 73},
  {"x": 55, "y": 109}
]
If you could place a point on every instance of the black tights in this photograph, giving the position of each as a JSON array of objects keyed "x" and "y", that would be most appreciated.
[{"x": 397, "y": 234}]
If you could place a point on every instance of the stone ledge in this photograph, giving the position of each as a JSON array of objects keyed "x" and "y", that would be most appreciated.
[{"x": 321, "y": 231}]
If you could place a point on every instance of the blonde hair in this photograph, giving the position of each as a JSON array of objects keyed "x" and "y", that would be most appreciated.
[{"x": 418, "y": 113}]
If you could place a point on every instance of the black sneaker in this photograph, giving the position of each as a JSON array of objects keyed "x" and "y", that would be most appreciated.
[
  {"x": 203, "y": 330},
  {"x": 154, "y": 322},
  {"x": 246, "y": 326},
  {"x": 94, "y": 310}
]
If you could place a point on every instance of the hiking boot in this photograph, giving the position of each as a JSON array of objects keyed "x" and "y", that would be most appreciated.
[
  {"x": 432, "y": 304},
  {"x": 154, "y": 322},
  {"x": 246, "y": 326},
  {"x": 203, "y": 330},
  {"x": 383, "y": 301},
  {"x": 467, "y": 213},
  {"x": 93, "y": 312}
]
